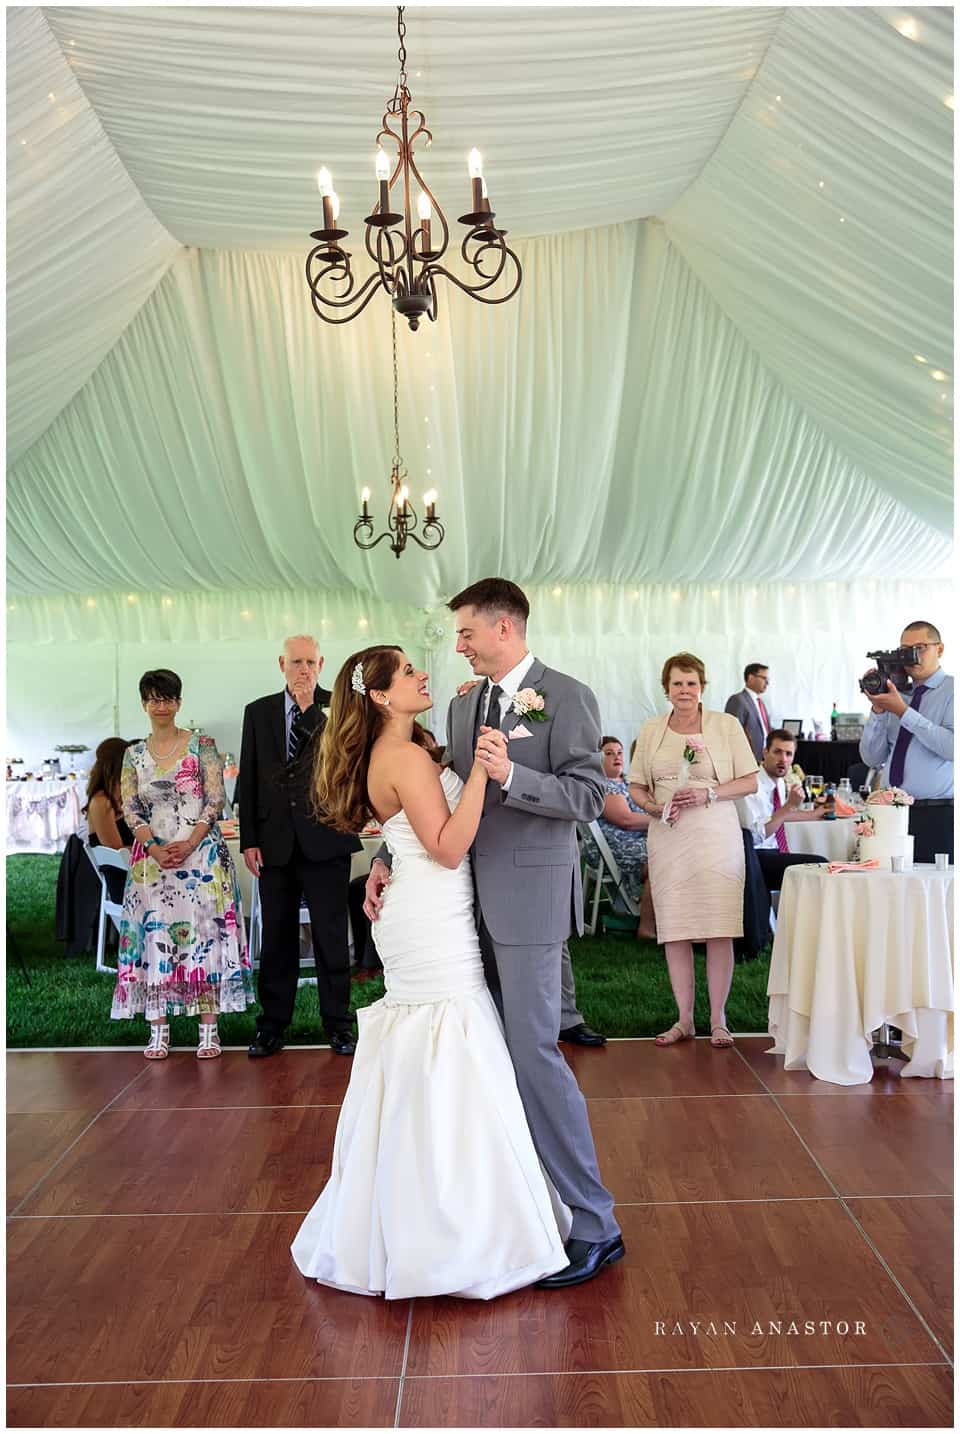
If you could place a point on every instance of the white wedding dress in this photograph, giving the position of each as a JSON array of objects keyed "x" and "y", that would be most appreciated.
[{"x": 436, "y": 1187}]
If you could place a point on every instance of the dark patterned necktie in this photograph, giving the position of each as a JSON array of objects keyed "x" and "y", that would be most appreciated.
[
  {"x": 296, "y": 734},
  {"x": 904, "y": 738}
]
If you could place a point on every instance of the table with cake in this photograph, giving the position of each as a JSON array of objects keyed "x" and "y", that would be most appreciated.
[{"x": 861, "y": 945}]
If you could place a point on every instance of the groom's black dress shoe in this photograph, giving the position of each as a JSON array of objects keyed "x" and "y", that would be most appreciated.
[
  {"x": 343, "y": 1042},
  {"x": 265, "y": 1045},
  {"x": 582, "y": 1036},
  {"x": 586, "y": 1260}
]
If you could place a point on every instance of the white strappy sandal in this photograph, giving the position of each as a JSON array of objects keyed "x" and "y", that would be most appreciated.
[
  {"x": 209, "y": 1047},
  {"x": 158, "y": 1047}
]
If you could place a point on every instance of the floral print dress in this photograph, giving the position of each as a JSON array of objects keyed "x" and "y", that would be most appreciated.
[
  {"x": 183, "y": 950},
  {"x": 629, "y": 848}
]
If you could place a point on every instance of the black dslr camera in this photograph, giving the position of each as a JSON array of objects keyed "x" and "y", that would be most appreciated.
[{"x": 893, "y": 666}]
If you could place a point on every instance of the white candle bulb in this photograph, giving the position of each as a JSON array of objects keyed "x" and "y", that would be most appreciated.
[
  {"x": 325, "y": 181},
  {"x": 365, "y": 496},
  {"x": 475, "y": 164},
  {"x": 423, "y": 208},
  {"x": 383, "y": 165},
  {"x": 430, "y": 497}
]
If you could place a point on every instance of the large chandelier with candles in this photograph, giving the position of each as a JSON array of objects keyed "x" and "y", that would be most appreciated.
[{"x": 407, "y": 243}]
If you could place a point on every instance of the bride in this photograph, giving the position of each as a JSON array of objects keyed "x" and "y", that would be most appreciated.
[{"x": 436, "y": 1187}]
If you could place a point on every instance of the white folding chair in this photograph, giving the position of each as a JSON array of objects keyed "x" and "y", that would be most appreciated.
[
  {"x": 255, "y": 933},
  {"x": 607, "y": 877},
  {"x": 103, "y": 857}
]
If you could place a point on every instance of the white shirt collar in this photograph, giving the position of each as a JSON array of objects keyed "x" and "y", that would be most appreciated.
[
  {"x": 755, "y": 695},
  {"x": 512, "y": 681},
  {"x": 766, "y": 784}
]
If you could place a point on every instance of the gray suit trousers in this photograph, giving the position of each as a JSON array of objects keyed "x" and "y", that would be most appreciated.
[{"x": 525, "y": 981}]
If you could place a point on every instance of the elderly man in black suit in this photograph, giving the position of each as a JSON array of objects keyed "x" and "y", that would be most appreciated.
[{"x": 291, "y": 853}]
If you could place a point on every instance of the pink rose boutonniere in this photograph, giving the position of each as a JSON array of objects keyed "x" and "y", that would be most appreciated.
[{"x": 529, "y": 703}]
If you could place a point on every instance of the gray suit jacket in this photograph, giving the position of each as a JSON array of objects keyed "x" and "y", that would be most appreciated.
[
  {"x": 742, "y": 706},
  {"x": 525, "y": 858}
]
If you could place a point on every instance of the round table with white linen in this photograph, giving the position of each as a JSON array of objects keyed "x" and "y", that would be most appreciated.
[
  {"x": 854, "y": 951},
  {"x": 42, "y": 815},
  {"x": 834, "y": 841}
]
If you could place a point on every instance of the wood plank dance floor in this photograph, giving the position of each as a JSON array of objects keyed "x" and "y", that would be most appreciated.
[{"x": 151, "y": 1209}]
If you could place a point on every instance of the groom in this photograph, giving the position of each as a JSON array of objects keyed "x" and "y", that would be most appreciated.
[{"x": 544, "y": 776}]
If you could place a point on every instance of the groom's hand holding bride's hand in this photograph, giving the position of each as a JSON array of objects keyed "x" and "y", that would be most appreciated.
[
  {"x": 373, "y": 892},
  {"x": 492, "y": 754}
]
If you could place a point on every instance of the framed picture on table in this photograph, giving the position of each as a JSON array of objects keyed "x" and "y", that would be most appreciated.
[{"x": 794, "y": 725}]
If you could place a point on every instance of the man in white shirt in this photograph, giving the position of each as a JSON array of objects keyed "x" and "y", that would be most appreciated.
[
  {"x": 766, "y": 812},
  {"x": 749, "y": 708}
]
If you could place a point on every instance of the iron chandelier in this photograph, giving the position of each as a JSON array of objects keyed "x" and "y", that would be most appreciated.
[{"x": 407, "y": 254}]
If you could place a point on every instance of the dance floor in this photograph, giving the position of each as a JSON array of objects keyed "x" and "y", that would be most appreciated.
[{"x": 151, "y": 1209}]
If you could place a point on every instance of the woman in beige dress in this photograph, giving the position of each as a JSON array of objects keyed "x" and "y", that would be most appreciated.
[{"x": 695, "y": 853}]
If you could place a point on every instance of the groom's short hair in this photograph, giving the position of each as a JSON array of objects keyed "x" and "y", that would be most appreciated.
[{"x": 495, "y": 597}]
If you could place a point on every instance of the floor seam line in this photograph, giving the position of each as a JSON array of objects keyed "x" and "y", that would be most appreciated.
[
  {"x": 403, "y": 1367},
  {"x": 476, "y": 1374}
]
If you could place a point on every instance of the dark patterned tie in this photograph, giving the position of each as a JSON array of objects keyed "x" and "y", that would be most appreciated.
[
  {"x": 904, "y": 738},
  {"x": 296, "y": 734},
  {"x": 493, "y": 707}
]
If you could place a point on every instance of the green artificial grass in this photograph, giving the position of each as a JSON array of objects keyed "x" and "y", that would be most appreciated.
[{"x": 622, "y": 984}]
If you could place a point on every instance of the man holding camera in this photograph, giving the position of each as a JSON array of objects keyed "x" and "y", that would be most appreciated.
[{"x": 913, "y": 741}]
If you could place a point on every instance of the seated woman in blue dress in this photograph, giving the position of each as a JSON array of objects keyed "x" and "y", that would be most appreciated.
[{"x": 622, "y": 822}]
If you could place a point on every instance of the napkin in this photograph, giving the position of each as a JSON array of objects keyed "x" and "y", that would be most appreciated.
[
  {"x": 843, "y": 809},
  {"x": 834, "y": 866}
]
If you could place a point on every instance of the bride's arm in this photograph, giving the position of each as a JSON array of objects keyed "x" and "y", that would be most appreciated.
[{"x": 447, "y": 836}]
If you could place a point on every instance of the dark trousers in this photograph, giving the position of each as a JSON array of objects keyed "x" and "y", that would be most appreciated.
[
  {"x": 932, "y": 830},
  {"x": 364, "y": 951},
  {"x": 324, "y": 887},
  {"x": 774, "y": 863}
]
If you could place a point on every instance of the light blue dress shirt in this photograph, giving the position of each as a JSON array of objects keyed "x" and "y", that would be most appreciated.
[{"x": 928, "y": 766}]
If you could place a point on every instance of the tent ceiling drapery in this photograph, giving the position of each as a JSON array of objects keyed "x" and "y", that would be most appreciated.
[{"x": 661, "y": 397}]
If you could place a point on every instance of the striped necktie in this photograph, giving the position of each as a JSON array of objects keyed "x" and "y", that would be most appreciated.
[{"x": 296, "y": 733}]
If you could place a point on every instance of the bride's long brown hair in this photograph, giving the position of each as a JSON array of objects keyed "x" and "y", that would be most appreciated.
[{"x": 343, "y": 752}]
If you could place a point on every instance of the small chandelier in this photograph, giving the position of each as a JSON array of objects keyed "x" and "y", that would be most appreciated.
[
  {"x": 407, "y": 253},
  {"x": 402, "y": 520}
]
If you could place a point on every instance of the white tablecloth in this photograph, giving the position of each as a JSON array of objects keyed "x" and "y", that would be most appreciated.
[
  {"x": 42, "y": 815},
  {"x": 834, "y": 841},
  {"x": 854, "y": 951},
  {"x": 359, "y": 866}
]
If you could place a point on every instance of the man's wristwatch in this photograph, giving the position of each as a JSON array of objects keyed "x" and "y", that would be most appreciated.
[
  {"x": 154, "y": 841},
  {"x": 711, "y": 796}
]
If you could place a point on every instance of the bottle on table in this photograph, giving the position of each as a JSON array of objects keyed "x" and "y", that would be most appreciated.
[{"x": 834, "y": 716}]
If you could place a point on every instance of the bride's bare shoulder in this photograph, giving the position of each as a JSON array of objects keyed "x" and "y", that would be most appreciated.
[{"x": 391, "y": 760}]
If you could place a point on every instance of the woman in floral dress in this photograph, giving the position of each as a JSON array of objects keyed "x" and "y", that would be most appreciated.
[{"x": 182, "y": 944}]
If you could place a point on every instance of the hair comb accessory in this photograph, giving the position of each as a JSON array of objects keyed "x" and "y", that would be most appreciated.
[{"x": 356, "y": 680}]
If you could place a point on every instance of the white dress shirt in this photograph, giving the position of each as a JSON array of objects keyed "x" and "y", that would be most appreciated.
[
  {"x": 510, "y": 684},
  {"x": 757, "y": 809}
]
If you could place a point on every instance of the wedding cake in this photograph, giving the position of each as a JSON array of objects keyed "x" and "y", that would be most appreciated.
[{"x": 883, "y": 829}]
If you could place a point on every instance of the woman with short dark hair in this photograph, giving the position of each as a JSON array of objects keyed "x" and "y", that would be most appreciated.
[{"x": 182, "y": 944}]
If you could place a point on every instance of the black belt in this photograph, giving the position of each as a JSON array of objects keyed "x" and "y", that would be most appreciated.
[{"x": 933, "y": 801}]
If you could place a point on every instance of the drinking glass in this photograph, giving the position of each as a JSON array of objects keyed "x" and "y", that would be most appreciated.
[
  {"x": 815, "y": 784},
  {"x": 864, "y": 793}
]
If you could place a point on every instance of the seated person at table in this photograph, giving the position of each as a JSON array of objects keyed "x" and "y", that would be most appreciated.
[
  {"x": 766, "y": 812},
  {"x": 104, "y": 809},
  {"x": 913, "y": 743},
  {"x": 622, "y": 822}
]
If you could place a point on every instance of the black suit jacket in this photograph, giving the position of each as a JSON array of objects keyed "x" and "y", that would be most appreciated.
[{"x": 274, "y": 795}]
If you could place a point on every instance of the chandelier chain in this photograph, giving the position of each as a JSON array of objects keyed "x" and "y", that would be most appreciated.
[
  {"x": 397, "y": 460},
  {"x": 401, "y": 54}
]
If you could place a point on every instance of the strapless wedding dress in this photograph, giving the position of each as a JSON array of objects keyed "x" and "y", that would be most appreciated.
[{"x": 436, "y": 1187}]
